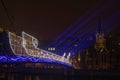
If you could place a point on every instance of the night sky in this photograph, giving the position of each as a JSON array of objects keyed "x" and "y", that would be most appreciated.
[{"x": 48, "y": 19}]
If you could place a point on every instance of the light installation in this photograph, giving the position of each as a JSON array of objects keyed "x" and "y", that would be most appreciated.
[
  {"x": 70, "y": 45},
  {"x": 71, "y": 27},
  {"x": 62, "y": 42},
  {"x": 74, "y": 30},
  {"x": 17, "y": 58},
  {"x": 26, "y": 49}
]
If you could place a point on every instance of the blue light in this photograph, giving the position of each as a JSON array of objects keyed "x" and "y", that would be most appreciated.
[
  {"x": 71, "y": 26},
  {"x": 82, "y": 43},
  {"x": 18, "y": 59},
  {"x": 68, "y": 44},
  {"x": 106, "y": 27},
  {"x": 62, "y": 45},
  {"x": 60, "y": 39}
]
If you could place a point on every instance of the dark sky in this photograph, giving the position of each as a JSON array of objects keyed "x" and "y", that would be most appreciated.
[{"x": 48, "y": 19}]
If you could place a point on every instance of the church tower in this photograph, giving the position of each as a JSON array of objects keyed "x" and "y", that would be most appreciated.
[
  {"x": 101, "y": 55},
  {"x": 100, "y": 45}
]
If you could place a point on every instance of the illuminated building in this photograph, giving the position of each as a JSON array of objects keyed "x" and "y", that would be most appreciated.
[
  {"x": 100, "y": 58},
  {"x": 103, "y": 54}
]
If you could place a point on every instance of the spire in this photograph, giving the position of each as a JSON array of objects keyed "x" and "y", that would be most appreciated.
[{"x": 99, "y": 29}]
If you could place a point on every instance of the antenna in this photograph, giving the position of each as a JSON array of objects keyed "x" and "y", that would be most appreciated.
[{"x": 9, "y": 18}]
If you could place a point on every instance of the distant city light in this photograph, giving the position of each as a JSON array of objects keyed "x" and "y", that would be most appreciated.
[{"x": 51, "y": 49}]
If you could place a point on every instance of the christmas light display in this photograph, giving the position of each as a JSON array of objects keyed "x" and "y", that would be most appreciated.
[{"x": 27, "y": 46}]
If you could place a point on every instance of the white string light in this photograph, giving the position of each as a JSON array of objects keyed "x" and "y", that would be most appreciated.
[{"x": 28, "y": 46}]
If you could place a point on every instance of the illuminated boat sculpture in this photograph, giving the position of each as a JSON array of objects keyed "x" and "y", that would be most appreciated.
[{"x": 25, "y": 48}]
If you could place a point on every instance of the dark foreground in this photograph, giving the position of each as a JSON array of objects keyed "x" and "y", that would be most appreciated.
[{"x": 52, "y": 75}]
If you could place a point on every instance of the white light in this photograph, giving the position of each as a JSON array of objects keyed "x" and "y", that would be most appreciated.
[
  {"x": 27, "y": 44},
  {"x": 64, "y": 54},
  {"x": 10, "y": 40},
  {"x": 68, "y": 57},
  {"x": 54, "y": 49},
  {"x": 35, "y": 42},
  {"x": 48, "y": 48}
]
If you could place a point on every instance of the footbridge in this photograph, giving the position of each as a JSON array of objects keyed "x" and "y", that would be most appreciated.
[{"x": 24, "y": 48}]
